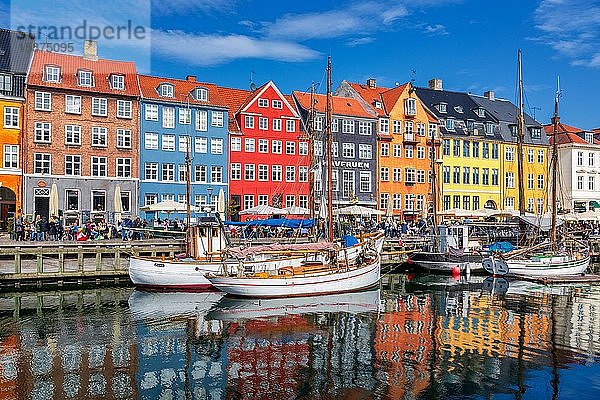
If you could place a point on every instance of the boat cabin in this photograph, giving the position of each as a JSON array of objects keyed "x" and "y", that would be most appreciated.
[
  {"x": 207, "y": 238},
  {"x": 454, "y": 237}
]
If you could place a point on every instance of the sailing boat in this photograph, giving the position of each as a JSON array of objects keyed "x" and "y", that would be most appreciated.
[
  {"x": 554, "y": 257},
  {"x": 343, "y": 270}
]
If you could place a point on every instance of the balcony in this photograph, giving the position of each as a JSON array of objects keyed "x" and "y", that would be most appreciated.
[{"x": 410, "y": 138}]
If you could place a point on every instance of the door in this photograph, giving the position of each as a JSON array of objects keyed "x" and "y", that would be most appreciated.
[{"x": 42, "y": 206}]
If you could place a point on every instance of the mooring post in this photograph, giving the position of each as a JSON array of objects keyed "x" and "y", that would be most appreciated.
[
  {"x": 18, "y": 261},
  {"x": 98, "y": 259},
  {"x": 117, "y": 264},
  {"x": 40, "y": 263},
  {"x": 80, "y": 258},
  {"x": 61, "y": 260}
]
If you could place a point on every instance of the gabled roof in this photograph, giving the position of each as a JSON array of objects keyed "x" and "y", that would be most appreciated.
[
  {"x": 340, "y": 105},
  {"x": 568, "y": 134},
  {"x": 234, "y": 99},
  {"x": 259, "y": 91},
  {"x": 182, "y": 90},
  {"x": 370, "y": 95},
  {"x": 70, "y": 65},
  {"x": 16, "y": 49},
  {"x": 456, "y": 101}
]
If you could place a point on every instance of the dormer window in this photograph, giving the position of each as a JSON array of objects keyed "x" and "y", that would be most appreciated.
[
  {"x": 480, "y": 112},
  {"x": 589, "y": 137},
  {"x": 117, "y": 82},
  {"x": 536, "y": 133},
  {"x": 263, "y": 102},
  {"x": 52, "y": 74},
  {"x": 470, "y": 125},
  {"x": 489, "y": 128},
  {"x": 377, "y": 104},
  {"x": 165, "y": 90},
  {"x": 450, "y": 124},
  {"x": 85, "y": 78},
  {"x": 514, "y": 131},
  {"x": 410, "y": 106},
  {"x": 458, "y": 109},
  {"x": 443, "y": 107},
  {"x": 201, "y": 94}
]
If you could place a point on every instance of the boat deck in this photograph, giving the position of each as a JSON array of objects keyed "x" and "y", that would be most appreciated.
[{"x": 586, "y": 278}]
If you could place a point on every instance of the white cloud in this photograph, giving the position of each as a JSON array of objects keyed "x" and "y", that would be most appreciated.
[
  {"x": 437, "y": 29},
  {"x": 360, "y": 41},
  {"x": 570, "y": 27},
  {"x": 216, "y": 49}
]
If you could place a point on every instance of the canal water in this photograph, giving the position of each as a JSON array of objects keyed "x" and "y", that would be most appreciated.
[{"x": 417, "y": 337}]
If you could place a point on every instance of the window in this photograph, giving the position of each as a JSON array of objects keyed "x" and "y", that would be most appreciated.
[
  {"x": 263, "y": 123},
  {"x": 420, "y": 129},
  {"x": 485, "y": 150},
  {"x": 384, "y": 125},
  {"x": 579, "y": 158},
  {"x": 124, "y": 109},
  {"x": 410, "y": 106},
  {"x": 466, "y": 202},
  {"x": 249, "y": 121},
  {"x": 277, "y": 104},
  {"x": 489, "y": 128},
  {"x": 236, "y": 144},
  {"x": 276, "y": 172},
  {"x": 409, "y": 201},
  {"x": 397, "y": 174},
  {"x": 185, "y": 116},
  {"x": 236, "y": 171},
  {"x": 73, "y": 135},
  {"x": 290, "y": 148},
  {"x": 385, "y": 149},
  {"x": 466, "y": 175},
  {"x": 384, "y": 174},
  {"x": 216, "y": 174},
  {"x": 52, "y": 74},
  {"x": 591, "y": 182},
  {"x": 249, "y": 145},
  {"x": 446, "y": 202},
  {"x": 450, "y": 124},
  {"x": 151, "y": 112},
  {"x": 168, "y": 142},
  {"x": 530, "y": 156},
  {"x": 86, "y": 78},
  {"x": 442, "y": 107},
  {"x": 408, "y": 151},
  {"x": 536, "y": 133},
  {"x": 510, "y": 180},
  {"x": 5, "y": 83},
  {"x": 397, "y": 127},
  {"x": 11, "y": 117},
  {"x": 475, "y": 175},
  {"x": 494, "y": 177},
  {"x": 151, "y": 171},
  {"x": 540, "y": 156},
  {"x": 201, "y": 145},
  {"x": 72, "y": 104},
  {"x": 589, "y": 137},
  {"x": 290, "y": 173},
  {"x": 579, "y": 182},
  {"x": 98, "y": 200},
  {"x": 201, "y": 120},
  {"x": 540, "y": 206},
  {"x": 334, "y": 125},
  {"x": 182, "y": 174},
  {"x": 43, "y": 101},
  {"x": 165, "y": 90},
  {"x": 348, "y": 150},
  {"x": 409, "y": 175},
  {"x": 249, "y": 172},
  {"x": 303, "y": 201},
  {"x": 475, "y": 150},
  {"x": 591, "y": 159},
  {"x": 11, "y": 156},
  {"x": 277, "y": 124},
  {"x": 364, "y": 128},
  {"x": 123, "y": 138},
  {"x": 540, "y": 181},
  {"x": 99, "y": 166},
  {"x": 421, "y": 152},
  {"x": 510, "y": 203},
  {"x": 168, "y": 172},
  {"x": 217, "y": 118},
  {"x": 510, "y": 154},
  {"x": 263, "y": 172},
  {"x": 302, "y": 174},
  {"x": 466, "y": 148},
  {"x": 446, "y": 174},
  {"x": 290, "y": 125},
  {"x": 432, "y": 132},
  {"x": 365, "y": 182},
  {"x": 348, "y": 183},
  {"x": 480, "y": 112},
  {"x": 263, "y": 102},
  {"x": 41, "y": 163},
  {"x": 384, "y": 199},
  {"x": 200, "y": 173},
  {"x": 529, "y": 181},
  {"x": 456, "y": 148},
  {"x": 365, "y": 151},
  {"x": 168, "y": 119},
  {"x": 408, "y": 130},
  {"x": 475, "y": 202},
  {"x": 124, "y": 167},
  {"x": 42, "y": 132},
  {"x": 290, "y": 200},
  {"x": 117, "y": 82},
  {"x": 347, "y": 126},
  {"x": 446, "y": 147},
  {"x": 216, "y": 146},
  {"x": 485, "y": 176},
  {"x": 455, "y": 174},
  {"x": 495, "y": 151},
  {"x": 99, "y": 136},
  {"x": 248, "y": 201},
  {"x": 397, "y": 150},
  {"x": 150, "y": 198},
  {"x": 303, "y": 148},
  {"x": 277, "y": 147},
  {"x": 183, "y": 143},
  {"x": 420, "y": 176},
  {"x": 72, "y": 199},
  {"x": 99, "y": 107},
  {"x": 514, "y": 130}
]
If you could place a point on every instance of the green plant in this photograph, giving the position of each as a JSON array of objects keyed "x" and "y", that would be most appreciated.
[{"x": 10, "y": 225}]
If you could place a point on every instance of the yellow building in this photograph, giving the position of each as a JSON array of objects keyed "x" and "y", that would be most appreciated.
[{"x": 479, "y": 167}]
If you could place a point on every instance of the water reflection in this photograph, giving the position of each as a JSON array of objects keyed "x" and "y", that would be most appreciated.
[{"x": 418, "y": 337}]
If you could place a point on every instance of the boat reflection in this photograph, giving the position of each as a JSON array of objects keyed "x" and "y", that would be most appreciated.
[
  {"x": 145, "y": 305},
  {"x": 233, "y": 308}
]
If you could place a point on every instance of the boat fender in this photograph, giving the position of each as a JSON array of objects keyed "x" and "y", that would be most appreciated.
[
  {"x": 197, "y": 269},
  {"x": 455, "y": 271}
]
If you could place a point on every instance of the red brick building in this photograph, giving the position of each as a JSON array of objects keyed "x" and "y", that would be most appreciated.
[
  {"x": 81, "y": 134},
  {"x": 268, "y": 151}
]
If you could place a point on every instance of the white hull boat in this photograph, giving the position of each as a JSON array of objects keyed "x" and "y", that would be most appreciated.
[
  {"x": 281, "y": 284},
  {"x": 539, "y": 266}
]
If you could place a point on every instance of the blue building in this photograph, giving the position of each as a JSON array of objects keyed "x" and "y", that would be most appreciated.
[{"x": 179, "y": 116}]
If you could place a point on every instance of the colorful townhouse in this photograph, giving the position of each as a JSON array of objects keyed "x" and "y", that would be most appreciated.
[
  {"x": 16, "y": 51},
  {"x": 177, "y": 117},
  {"x": 268, "y": 151},
  {"x": 354, "y": 147},
  {"x": 479, "y": 151},
  {"x": 579, "y": 165},
  {"x": 81, "y": 134},
  {"x": 407, "y": 132}
]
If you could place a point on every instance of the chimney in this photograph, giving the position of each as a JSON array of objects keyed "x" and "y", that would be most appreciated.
[
  {"x": 190, "y": 78},
  {"x": 489, "y": 95},
  {"x": 435, "y": 84},
  {"x": 372, "y": 83},
  {"x": 90, "y": 50}
]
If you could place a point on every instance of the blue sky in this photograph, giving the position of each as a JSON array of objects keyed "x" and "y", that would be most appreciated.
[{"x": 471, "y": 44}]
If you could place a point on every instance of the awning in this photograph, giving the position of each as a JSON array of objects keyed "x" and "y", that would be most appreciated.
[{"x": 594, "y": 203}]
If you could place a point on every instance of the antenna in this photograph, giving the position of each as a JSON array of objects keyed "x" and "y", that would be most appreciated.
[
  {"x": 558, "y": 91},
  {"x": 252, "y": 84},
  {"x": 414, "y": 76},
  {"x": 533, "y": 109}
]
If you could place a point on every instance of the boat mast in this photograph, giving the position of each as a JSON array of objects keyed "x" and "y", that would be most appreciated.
[
  {"x": 554, "y": 166},
  {"x": 328, "y": 150},
  {"x": 520, "y": 139},
  {"x": 311, "y": 152},
  {"x": 434, "y": 194},
  {"x": 188, "y": 190}
]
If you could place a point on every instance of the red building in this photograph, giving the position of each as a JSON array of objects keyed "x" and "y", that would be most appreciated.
[{"x": 268, "y": 151}]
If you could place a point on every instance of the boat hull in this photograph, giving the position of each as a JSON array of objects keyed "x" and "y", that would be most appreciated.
[
  {"x": 301, "y": 285},
  {"x": 439, "y": 262},
  {"x": 550, "y": 266}
]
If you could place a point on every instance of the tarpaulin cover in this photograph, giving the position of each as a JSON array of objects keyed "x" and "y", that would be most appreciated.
[
  {"x": 349, "y": 240},
  {"x": 276, "y": 222},
  {"x": 502, "y": 247}
]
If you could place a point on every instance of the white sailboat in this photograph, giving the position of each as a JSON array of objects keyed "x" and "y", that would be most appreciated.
[
  {"x": 343, "y": 270},
  {"x": 554, "y": 257}
]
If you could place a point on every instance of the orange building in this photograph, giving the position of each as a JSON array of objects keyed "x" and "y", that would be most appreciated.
[{"x": 405, "y": 128}]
